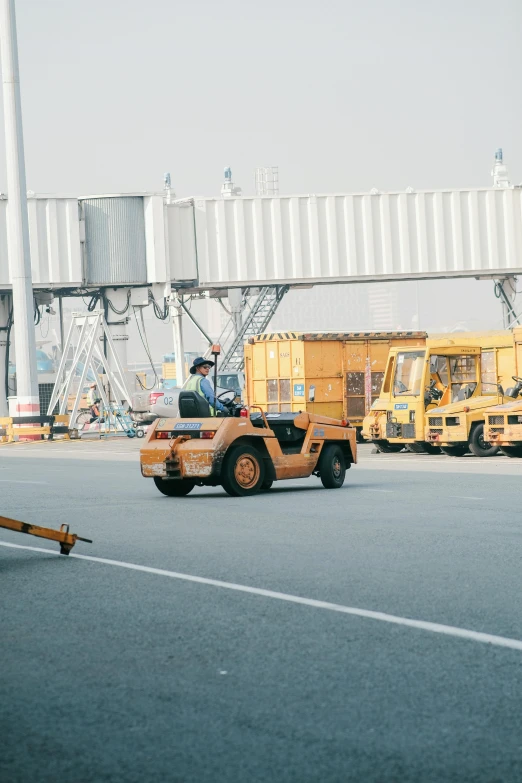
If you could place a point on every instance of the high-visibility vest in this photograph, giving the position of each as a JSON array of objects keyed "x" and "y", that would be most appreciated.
[{"x": 194, "y": 384}]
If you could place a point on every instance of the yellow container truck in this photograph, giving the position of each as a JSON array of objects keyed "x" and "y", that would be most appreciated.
[
  {"x": 503, "y": 423},
  {"x": 436, "y": 397},
  {"x": 326, "y": 373}
]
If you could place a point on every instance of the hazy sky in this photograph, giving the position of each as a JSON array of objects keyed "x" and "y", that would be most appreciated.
[{"x": 342, "y": 95}]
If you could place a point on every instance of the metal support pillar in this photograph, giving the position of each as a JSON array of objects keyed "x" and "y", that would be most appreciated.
[
  {"x": 235, "y": 301},
  {"x": 177, "y": 332},
  {"x": 118, "y": 316},
  {"x": 4, "y": 370},
  {"x": 18, "y": 226},
  {"x": 506, "y": 290}
]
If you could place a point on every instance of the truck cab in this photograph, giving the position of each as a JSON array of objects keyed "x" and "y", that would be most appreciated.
[{"x": 416, "y": 382}]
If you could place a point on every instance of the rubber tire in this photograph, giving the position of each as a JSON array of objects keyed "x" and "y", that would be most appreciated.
[
  {"x": 475, "y": 440},
  {"x": 140, "y": 433},
  {"x": 328, "y": 456},
  {"x": 512, "y": 451},
  {"x": 454, "y": 451},
  {"x": 228, "y": 479},
  {"x": 385, "y": 447},
  {"x": 267, "y": 484},
  {"x": 422, "y": 448},
  {"x": 174, "y": 488}
]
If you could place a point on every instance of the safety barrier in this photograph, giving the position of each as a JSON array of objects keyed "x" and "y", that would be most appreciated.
[{"x": 15, "y": 427}]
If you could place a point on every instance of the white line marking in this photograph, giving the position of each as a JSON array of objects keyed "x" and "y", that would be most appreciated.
[
  {"x": 422, "y": 625},
  {"x": 465, "y": 497},
  {"x": 14, "y": 481}
]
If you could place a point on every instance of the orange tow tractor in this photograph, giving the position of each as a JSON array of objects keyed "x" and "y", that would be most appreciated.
[{"x": 244, "y": 453}]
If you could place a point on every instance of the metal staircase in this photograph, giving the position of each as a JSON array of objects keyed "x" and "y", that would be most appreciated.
[{"x": 255, "y": 321}]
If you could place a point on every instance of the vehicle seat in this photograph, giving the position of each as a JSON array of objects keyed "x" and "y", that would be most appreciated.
[
  {"x": 193, "y": 406},
  {"x": 464, "y": 393}
]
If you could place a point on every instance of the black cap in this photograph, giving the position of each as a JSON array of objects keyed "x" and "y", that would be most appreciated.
[{"x": 198, "y": 362}]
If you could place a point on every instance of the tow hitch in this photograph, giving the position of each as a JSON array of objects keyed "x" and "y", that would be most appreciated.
[{"x": 65, "y": 539}]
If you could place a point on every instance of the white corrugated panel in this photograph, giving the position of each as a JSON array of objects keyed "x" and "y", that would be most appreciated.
[
  {"x": 54, "y": 235},
  {"x": 355, "y": 237},
  {"x": 181, "y": 241}
]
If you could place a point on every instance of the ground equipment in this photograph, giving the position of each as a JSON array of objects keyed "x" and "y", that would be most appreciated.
[
  {"x": 435, "y": 397},
  {"x": 63, "y": 537},
  {"x": 503, "y": 423},
  {"x": 245, "y": 453},
  {"x": 460, "y": 426}
]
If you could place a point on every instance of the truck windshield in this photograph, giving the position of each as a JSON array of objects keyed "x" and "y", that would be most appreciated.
[{"x": 408, "y": 373}]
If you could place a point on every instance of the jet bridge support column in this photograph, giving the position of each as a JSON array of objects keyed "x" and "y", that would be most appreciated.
[
  {"x": 235, "y": 301},
  {"x": 118, "y": 316},
  {"x": 177, "y": 331},
  {"x": 4, "y": 317}
]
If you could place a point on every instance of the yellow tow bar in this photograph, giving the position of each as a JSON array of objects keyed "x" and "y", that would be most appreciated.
[{"x": 65, "y": 539}]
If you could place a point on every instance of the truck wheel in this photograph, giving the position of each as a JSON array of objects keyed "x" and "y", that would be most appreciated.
[
  {"x": 386, "y": 447},
  {"x": 512, "y": 451},
  {"x": 243, "y": 471},
  {"x": 478, "y": 446},
  {"x": 454, "y": 451},
  {"x": 422, "y": 448},
  {"x": 174, "y": 488},
  {"x": 267, "y": 484},
  {"x": 332, "y": 467}
]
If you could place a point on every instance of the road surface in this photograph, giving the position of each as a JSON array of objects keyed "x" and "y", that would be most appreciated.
[{"x": 212, "y": 639}]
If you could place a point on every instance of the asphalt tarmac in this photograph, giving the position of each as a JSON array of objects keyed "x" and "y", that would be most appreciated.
[{"x": 226, "y": 640}]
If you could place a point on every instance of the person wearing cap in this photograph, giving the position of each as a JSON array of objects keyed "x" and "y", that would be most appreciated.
[{"x": 202, "y": 386}]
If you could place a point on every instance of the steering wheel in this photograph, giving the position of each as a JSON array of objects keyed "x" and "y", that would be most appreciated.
[{"x": 228, "y": 391}]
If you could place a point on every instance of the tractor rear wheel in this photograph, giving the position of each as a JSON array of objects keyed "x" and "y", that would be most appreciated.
[
  {"x": 174, "y": 488},
  {"x": 243, "y": 471},
  {"x": 332, "y": 467}
]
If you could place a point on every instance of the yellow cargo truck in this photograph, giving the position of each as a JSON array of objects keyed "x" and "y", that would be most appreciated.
[
  {"x": 326, "y": 373},
  {"x": 436, "y": 397},
  {"x": 503, "y": 423},
  {"x": 460, "y": 426}
]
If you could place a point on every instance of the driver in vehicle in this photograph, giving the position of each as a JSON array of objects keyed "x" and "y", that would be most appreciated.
[{"x": 199, "y": 384}]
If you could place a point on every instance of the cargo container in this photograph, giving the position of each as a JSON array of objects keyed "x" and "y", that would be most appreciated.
[{"x": 336, "y": 374}]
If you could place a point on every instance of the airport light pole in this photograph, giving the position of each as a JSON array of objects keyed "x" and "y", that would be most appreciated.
[{"x": 17, "y": 221}]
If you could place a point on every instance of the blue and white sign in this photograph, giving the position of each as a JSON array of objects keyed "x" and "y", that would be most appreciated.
[
  {"x": 299, "y": 390},
  {"x": 188, "y": 425},
  {"x": 401, "y": 406}
]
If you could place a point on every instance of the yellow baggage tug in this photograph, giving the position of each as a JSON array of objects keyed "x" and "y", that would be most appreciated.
[{"x": 244, "y": 453}]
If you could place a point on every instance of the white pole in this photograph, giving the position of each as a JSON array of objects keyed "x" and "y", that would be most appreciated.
[
  {"x": 17, "y": 225},
  {"x": 179, "y": 349}
]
